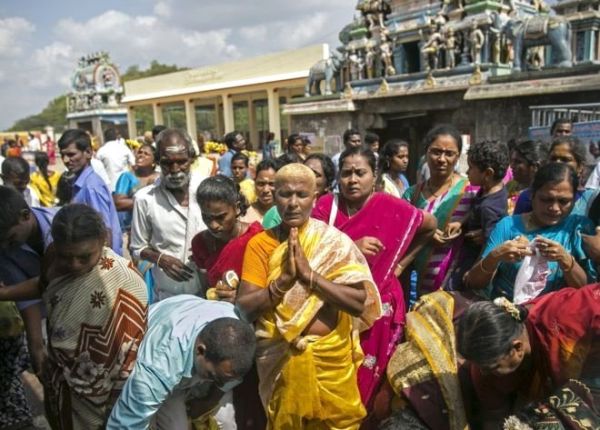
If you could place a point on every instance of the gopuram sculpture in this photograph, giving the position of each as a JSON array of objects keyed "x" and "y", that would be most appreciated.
[
  {"x": 96, "y": 84},
  {"x": 441, "y": 39}
]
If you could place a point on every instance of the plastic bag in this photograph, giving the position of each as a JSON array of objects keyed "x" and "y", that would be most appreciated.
[{"x": 531, "y": 277}]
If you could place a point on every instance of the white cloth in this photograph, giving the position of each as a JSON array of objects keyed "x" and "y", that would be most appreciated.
[
  {"x": 160, "y": 222},
  {"x": 34, "y": 144},
  {"x": 99, "y": 170},
  {"x": 594, "y": 179},
  {"x": 116, "y": 158},
  {"x": 172, "y": 415},
  {"x": 31, "y": 197}
]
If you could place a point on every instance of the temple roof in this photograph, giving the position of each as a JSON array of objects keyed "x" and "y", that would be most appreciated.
[{"x": 275, "y": 67}]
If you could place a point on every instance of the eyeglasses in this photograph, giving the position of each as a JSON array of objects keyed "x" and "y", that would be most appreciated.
[{"x": 438, "y": 152}]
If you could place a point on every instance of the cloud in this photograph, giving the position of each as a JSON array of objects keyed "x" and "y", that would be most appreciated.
[
  {"x": 14, "y": 33},
  {"x": 162, "y": 9},
  {"x": 188, "y": 33},
  {"x": 139, "y": 39}
]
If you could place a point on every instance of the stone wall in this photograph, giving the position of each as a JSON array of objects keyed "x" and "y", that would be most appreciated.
[{"x": 410, "y": 117}]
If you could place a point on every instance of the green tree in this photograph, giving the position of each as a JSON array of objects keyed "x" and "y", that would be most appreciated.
[{"x": 55, "y": 113}]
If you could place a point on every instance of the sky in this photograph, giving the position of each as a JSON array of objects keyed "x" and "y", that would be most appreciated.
[{"x": 40, "y": 41}]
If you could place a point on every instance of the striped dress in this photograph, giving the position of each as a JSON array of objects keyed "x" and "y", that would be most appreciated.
[{"x": 434, "y": 264}]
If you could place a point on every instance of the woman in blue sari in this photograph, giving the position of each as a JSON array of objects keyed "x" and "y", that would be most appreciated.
[
  {"x": 144, "y": 173},
  {"x": 556, "y": 231}
]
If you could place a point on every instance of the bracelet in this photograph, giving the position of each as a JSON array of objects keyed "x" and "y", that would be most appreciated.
[
  {"x": 487, "y": 272},
  {"x": 279, "y": 290},
  {"x": 158, "y": 259},
  {"x": 400, "y": 267},
  {"x": 565, "y": 271}
]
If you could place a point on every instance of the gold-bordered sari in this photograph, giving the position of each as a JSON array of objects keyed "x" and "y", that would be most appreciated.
[{"x": 310, "y": 381}]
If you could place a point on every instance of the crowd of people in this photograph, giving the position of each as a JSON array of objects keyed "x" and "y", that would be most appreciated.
[{"x": 157, "y": 289}]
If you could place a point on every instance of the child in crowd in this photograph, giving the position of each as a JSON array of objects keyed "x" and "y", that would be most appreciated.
[
  {"x": 15, "y": 173},
  {"x": 239, "y": 170},
  {"x": 488, "y": 161}
]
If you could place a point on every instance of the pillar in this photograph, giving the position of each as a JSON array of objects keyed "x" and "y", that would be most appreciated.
[
  {"x": 157, "y": 113},
  {"x": 228, "y": 125},
  {"x": 252, "y": 130},
  {"x": 131, "y": 125},
  {"x": 274, "y": 113},
  {"x": 218, "y": 125},
  {"x": 190, "y": 118}
]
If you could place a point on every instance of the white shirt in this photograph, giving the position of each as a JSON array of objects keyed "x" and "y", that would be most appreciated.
[
  {"x": 116, "y": 157},
  {"x": 99, "y": 170},
  {"x": 160, "y": 222},
  {"x": 31, "y": 197},
  {"x": 594, "y": 179},
  {"x": 34, "y": 144}
]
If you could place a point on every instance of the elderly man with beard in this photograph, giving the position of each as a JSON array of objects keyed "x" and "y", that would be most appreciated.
[
  {"x": 85, "y": 186},
  {"x": 166, "y": 217}
]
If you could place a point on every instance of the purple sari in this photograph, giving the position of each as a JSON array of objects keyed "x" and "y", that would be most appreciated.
[{"x": 394, "y": 222}]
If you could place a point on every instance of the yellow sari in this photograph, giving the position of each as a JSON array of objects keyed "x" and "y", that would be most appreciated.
[
  {"x": 427, "y": 361},
  {"x": 310, "y": 382}
]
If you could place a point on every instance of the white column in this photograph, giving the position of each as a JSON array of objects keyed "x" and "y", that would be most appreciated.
[
  {"x": 252, "y": 131},
  {"x": 190, "y": 118},
  {"x": 229, "y": 124},
  {"x": 157, "y": 112},
  {"x": 218, "y": 125},
  {"x": 131, "y": 125},
  {"x": 273, "y": 102}
]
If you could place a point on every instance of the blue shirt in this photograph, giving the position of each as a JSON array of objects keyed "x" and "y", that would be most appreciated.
[
  {"x": 20, "y": 264},
  {"x": 126, "y": 185},
  {"x": 567, "y": 233},
  {"x": 166, "y": 357},
  {"x": 89, "y": 189},
  {"x": 225, "y": 163}
]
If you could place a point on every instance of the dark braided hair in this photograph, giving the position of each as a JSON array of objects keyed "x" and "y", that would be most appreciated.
[
  {"x": 220, "y": 188},
  {"x": 42, "y": 161}
]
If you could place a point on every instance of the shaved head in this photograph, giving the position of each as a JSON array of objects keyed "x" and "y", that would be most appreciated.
[{"x": 296, "y": 172}]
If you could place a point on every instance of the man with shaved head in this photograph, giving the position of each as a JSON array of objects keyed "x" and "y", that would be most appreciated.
[
  {"x": 166, "y": 216},
  {"x": 304, "y": 284}
]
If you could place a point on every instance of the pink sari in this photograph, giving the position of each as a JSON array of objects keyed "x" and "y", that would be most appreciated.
[{"x": 394, "y": 222}]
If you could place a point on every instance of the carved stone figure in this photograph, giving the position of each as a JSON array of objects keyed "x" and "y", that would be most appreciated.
[
  {"x": 357, "y": 66},
  {"x": 370, "y": 61},
  {"x": 386, "y": 53},
  {"x": 537, "y": 31},
  {"x": 476, "y": 41},
  {"x": 450, "y": 47},
  {"x": 97, "y": 101},
  {"x": 323, "y": 70},
  {"x": 431, "y": 48},
  {"x": 374, "y": 12}
]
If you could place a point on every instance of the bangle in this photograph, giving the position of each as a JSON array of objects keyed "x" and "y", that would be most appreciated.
[
  {"x": 279, "y": 290},
  {"x": 400, "y": 267},
  {"x": 487, "y": 272},
  {"x": 158, "y": 260},
  {"x": 565, "y": 271}
]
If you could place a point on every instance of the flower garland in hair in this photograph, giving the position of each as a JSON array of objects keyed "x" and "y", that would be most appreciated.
[{"x": 509, "y": 307}]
